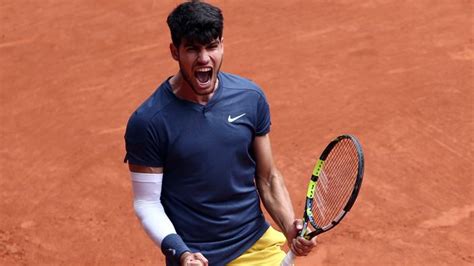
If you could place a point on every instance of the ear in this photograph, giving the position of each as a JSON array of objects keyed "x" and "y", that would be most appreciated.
[
  {"x": 174, "y": 52},
  {"x": 222, "y": 43}
]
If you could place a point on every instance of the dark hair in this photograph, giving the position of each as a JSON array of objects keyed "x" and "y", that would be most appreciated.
[{"x": 195, "y": 22}]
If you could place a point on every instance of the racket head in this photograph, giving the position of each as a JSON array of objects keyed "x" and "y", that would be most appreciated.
[{"x": 335, "y": 184}]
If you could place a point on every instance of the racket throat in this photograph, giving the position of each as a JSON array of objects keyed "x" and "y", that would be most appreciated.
[{"x": 303, "y": 231}]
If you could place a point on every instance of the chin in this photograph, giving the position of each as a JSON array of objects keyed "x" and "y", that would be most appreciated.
[{"x": 204, "y": 91}]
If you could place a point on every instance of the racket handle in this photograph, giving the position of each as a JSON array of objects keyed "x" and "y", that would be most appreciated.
[{"x": 289, "y": 259}]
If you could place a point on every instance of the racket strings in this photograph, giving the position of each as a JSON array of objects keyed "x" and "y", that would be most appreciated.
[
  {"x": 344, "y": 167},
  {"x": 336, "y": 182},
  {"x": 343, "y": 173},
  {"x": 341, "y": 186},
  {"x": 330, "y": 202}
]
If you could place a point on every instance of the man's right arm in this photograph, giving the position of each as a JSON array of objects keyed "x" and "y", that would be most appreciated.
[{"x": 147, "y": 184}]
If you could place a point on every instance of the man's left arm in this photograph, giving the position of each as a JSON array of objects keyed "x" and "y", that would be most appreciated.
[{"x": 275, "y": 197}]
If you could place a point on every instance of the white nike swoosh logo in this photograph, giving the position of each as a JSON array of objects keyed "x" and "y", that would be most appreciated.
[{"x": 232, "y": 119}]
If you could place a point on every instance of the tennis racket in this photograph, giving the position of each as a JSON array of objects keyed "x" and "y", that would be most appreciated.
[{"x": 333, "y": 188}]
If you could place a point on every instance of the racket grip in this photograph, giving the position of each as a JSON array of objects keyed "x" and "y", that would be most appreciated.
[{"x": 289, "y": 259}]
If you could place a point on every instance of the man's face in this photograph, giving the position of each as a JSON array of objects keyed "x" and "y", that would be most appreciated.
[{"x": 199, "y": 64}]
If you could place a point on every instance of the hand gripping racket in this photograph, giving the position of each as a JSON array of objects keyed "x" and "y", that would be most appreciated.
[{"x": 333, "y": 188}]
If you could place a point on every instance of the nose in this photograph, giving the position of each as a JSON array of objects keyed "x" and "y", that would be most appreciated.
[{"x": 203, "y": 57}]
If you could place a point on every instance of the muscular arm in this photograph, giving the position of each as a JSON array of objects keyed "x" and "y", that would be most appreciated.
[
  {"x": 276, "y": 199},
  {"x": 272, "y": 188}
]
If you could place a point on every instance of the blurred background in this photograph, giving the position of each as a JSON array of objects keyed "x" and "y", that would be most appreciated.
[{"x": 397, "y": 74}]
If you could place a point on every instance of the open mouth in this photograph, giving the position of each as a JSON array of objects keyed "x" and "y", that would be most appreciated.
[{"x": 203, "y": 75}]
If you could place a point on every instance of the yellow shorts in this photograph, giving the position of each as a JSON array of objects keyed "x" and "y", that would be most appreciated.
[{"x": 266, "y": 251}]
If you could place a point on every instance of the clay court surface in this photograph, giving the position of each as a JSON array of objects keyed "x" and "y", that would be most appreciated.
[{"x": 397, "y": 74}]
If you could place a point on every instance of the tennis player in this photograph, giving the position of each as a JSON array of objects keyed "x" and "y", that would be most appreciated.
[{"x": 200, "y": 158}]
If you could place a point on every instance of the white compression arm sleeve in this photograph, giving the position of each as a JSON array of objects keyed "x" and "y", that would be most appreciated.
[{"x": 148, "y": 207}]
